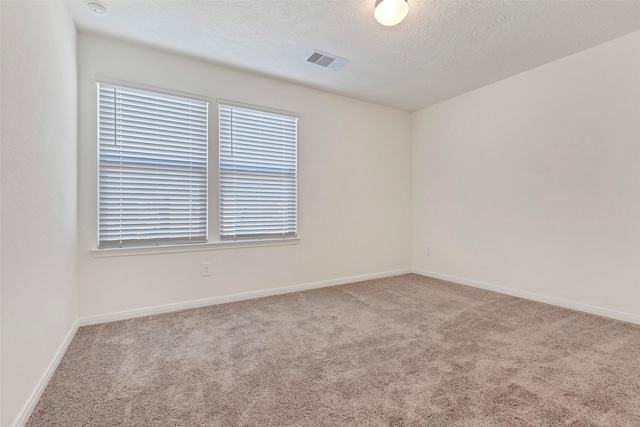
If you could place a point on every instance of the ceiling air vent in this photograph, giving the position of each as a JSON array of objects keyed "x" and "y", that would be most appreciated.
[{"x": 327, "y": 60}]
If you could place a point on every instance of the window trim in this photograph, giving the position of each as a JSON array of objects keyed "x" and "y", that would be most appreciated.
[
  {"x": 257, "y": 108},
  {"x": 169, "y": 92},
  {"x": 193, "y": 247}
]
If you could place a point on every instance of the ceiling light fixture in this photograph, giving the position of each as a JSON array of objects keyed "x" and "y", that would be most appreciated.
[
  {"x": 97, "y": 8},
  {"x": 390, "y": 12}
]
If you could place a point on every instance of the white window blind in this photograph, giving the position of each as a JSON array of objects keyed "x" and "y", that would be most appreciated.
[
  {"x": 258, "y": 173},
  {"x": 152, "y": 168}
]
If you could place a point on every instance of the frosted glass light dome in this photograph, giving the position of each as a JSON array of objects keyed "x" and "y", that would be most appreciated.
[{"x": 390, "y": 12}]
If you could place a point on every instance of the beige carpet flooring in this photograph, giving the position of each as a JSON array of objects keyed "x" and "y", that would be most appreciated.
[{"x": 402, "y": 351}]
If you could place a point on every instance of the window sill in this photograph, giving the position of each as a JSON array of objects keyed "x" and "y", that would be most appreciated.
[{"x": 168, "y": 249}]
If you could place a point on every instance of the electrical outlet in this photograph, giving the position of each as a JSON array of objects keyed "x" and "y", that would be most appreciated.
[
  {"x": 427, "y": 250},
  {"x": 206, "y": 269}
]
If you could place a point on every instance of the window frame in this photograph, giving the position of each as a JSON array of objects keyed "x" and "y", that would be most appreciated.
[
  {"x": 95, "y": 252},
  {"x": 110, "y": 250},
  {"x": 293, "y": 236}
]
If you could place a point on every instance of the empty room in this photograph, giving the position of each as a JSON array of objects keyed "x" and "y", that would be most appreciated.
[{"x": 319, "y": 213}]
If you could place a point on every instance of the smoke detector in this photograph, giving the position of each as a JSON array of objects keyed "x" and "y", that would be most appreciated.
[
  {"x": 97, "y": 8},
  {"x": 327, "y": 60}
]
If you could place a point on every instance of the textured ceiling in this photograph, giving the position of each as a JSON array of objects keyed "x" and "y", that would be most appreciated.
[{"x": 442, "y": 49}]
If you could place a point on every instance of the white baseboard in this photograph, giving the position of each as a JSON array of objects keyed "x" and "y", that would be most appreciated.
[
  {"x": 147, "y": 311},
  {"x": 27, "y": 409},
  {"x": 604, "y": 312}
]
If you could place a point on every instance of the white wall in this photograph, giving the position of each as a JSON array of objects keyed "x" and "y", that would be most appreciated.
[
  {"x": 354, "y": 188},
  {"x": 39, "y": 194},
  {"x": 533, "y": 183}
]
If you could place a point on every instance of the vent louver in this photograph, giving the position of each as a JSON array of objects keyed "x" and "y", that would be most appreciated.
[{"x": 327, "y": 60}]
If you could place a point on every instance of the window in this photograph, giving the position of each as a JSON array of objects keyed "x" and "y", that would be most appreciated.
[
  {"x": 258, "y": 173},
  {"x": 152, "y": 165}
]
